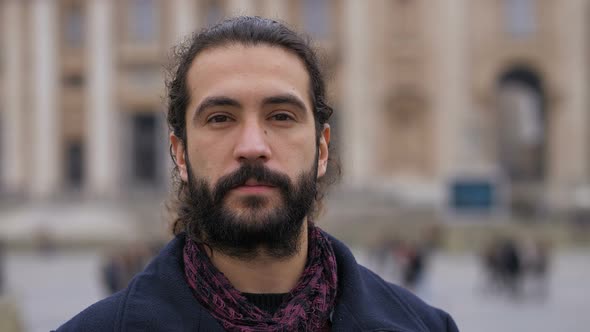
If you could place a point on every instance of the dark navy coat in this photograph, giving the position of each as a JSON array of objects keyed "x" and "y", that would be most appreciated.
[{"x": 159, "y": 299}]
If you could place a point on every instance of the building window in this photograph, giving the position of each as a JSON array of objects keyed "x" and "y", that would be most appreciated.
[
  {"x": 75, "y": 80},
  {"x": 142, "y": 24},
  {"x": 520, "y": 18},
  {"x": 521, "y": 131},
  {"x": 522, "y": 126},
  {"x": 74, "y": 164},
  {"x": 316, "y": 17},
  {"x": 74, "y": 25},
  {"x": 145, "y": 149}
]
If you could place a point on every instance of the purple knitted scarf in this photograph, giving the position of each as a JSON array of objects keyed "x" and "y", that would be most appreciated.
[{"x": 306, "y": 308}]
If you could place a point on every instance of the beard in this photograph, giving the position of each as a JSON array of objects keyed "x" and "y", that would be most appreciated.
[{"x": 261, "y": 223}]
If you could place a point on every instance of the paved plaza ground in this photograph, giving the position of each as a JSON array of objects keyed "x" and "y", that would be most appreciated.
[{"x": 49, "y": 289}]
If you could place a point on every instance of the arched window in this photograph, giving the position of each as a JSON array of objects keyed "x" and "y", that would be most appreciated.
[{"x": 521, "y": 126}]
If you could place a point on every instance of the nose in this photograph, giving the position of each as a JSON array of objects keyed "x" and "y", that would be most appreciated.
[{"x": 252, "y": 144}]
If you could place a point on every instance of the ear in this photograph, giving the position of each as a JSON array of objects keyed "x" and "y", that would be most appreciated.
[
  {"x": 178, "y": 150},
  {"x": 323, "y": 150}
]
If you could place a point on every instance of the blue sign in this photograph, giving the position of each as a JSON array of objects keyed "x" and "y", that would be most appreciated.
[{"x": 473, "y": 195}]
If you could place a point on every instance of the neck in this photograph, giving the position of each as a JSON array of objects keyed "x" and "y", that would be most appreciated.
[{"x": 263, "y": 273}]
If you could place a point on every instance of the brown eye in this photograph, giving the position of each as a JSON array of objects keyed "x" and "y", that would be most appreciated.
[
  {"x": 282, "y": 117},
  {"x": 218, "y": 118}
]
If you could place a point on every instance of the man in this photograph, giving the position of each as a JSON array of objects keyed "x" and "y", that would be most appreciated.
[{"x": 249, "y": 138}]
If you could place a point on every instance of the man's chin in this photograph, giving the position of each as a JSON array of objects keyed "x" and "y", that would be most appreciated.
[
  {"x": 245, "y": 233},
  {"x": 253, "y": 204},
  {"x": 253, "y": 215}
]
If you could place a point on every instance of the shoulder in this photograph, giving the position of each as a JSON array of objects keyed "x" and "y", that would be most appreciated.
[
  {"x": 101, "y": 316},
  {"x": 391, "y": 296},
  {"x": 156, "y": 296},
  {"x": 371, "y": 304}
]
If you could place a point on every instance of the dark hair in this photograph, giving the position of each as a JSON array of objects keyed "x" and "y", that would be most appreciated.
[{"x": 249, "y": 31}]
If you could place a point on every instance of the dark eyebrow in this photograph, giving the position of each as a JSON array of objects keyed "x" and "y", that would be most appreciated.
[
  {"x": 285, "y": 99},
  {"x": 215, "y": 101}
]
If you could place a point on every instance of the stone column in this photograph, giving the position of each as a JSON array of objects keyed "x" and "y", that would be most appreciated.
[
  {"x": 358, "y": 106},
  {"x": 451, "y": 88},
  {"x": 240, "y": 7},
  {"x": 576, "y": 75},
  {"x": 569, "y": 154},
  {"x": 184, "y": 17},
  {"x": 102, "y": 161},
  {"x": 46, "y": 164},
  {"x": 13, "y": 149}
]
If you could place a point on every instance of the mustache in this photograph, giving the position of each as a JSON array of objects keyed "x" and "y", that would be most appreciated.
[{"x": 251, "y": 171}]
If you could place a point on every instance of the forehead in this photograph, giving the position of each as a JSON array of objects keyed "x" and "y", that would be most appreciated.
[{"x": 238, "y": 70}]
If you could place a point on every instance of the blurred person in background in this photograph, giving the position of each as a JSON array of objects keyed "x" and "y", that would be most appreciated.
[
  {"x": 113, "y": 271},
  {"x": 413, "y": 259},
  {"x": 503, "y": 264},
  {"x": 510, "y": 266},
  {"x": 413, "y": 267},
  {"x": 250, "y": 142},
  {"x": 491, "y": 265}
]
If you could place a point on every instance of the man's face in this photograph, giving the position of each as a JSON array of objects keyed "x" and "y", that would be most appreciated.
[{"x": 250, "y": 139}]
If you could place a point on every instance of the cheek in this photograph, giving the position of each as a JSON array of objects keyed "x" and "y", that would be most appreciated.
[
  {"x": 204, "y": 167},
  {"x": 207, "y": 159},
  {"x": 299, "y": 153}
]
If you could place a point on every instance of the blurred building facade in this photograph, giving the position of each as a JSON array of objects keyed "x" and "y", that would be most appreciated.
[{"x": 450, "y": 102}]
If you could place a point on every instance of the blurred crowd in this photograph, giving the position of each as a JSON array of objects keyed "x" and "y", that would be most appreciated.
[
  {"x": 516, "y": 267},
  {"x": 405, "y": 261}
]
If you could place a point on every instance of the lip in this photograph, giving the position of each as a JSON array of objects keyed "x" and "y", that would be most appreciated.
[
  {"x": 254, "y": 183},
  {"x": 253, "y": 187}
]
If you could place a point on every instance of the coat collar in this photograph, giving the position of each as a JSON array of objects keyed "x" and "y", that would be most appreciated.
[{"x": 364, "y": 302}]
